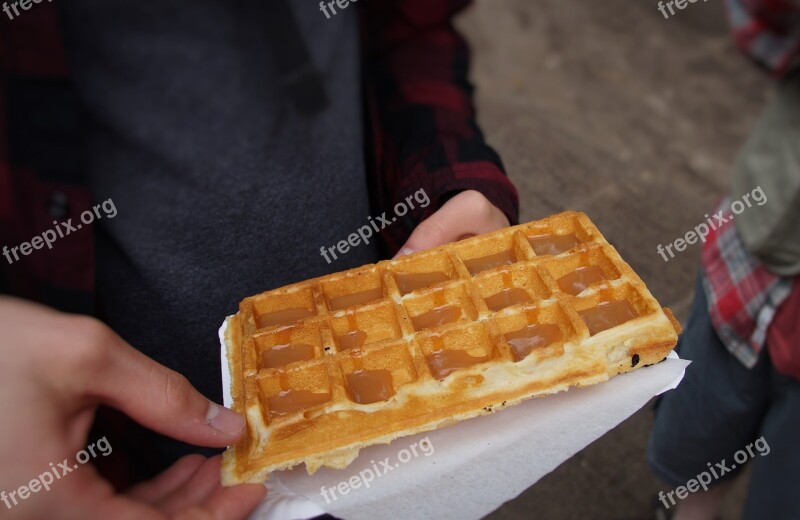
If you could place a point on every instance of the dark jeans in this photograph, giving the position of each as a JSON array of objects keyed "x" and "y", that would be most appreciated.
[{"x": 720, "y": 408}]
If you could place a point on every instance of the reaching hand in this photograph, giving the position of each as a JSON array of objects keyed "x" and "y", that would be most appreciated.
[{"x": 55, "y": 369}]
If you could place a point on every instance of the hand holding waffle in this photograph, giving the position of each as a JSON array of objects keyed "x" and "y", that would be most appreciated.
[
  {"x": 467, "y": 214},
  {"x": 68, "y": 366},
  {"x": 325, "y": 367}
]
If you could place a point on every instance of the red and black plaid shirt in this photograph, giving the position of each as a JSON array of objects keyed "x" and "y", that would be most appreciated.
[{"x": 421, "y": 133}]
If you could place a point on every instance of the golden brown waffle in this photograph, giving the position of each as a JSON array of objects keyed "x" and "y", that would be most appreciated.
[{"x": 325, "y": 367}]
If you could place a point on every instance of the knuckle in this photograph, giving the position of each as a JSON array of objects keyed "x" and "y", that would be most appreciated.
[
  {"x": 434, "y": 231},
  {"x": 484, "y": 209},
  {"x": 89, "y": 341},
  {"x": 176, "y": 389},
  {"x": 479, "y": 203}
]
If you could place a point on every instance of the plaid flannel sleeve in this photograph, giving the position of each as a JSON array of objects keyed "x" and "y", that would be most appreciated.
[
  {"x": 743, "y": 296},
  {"x": 41, "y": 166},
  {"x": 420, "y": 116},
  {"x": 768, "y": 31}
]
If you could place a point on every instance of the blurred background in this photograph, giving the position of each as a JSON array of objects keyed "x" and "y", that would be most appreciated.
[{"x": 608, "y": 108}]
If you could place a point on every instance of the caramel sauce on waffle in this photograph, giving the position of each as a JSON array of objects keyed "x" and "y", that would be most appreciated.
[
  {"x": 437, "y": 317},
  {"x": 581, "y": 278},
  {"x": 359, "y": 298},
  {"x": 530, "y": 337},
  {"x": 443, "y": 362},
  {"x": 283, "y": 317},
  {"x": 506, "y": 298},
  {"x": 370, "y": 386},
  {"x": 291, "y": 401},
  {"x": 283, "y": 380},
  {"x": 607, "y": 315},
  {"x": 440, "y": 315},
  {"x": 282, "y": 355},
  {"x": 408, "y": 282},
  {"x": 485, "y": 263},
  {"x": 283, "y": 335},
  {"x": 553, "y": 244},
  {"x": 354, "y": 339}
]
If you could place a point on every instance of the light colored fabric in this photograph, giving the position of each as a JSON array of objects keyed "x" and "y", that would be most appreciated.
[{"x": 771, "y": 159}]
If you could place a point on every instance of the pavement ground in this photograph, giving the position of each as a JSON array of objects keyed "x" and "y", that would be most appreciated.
[{"x": 608, "y": 108}]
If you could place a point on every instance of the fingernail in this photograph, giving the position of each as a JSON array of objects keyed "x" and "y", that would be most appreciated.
[
  {"x": 403, "y": 252},
  {"x": 224, "y": 420}
]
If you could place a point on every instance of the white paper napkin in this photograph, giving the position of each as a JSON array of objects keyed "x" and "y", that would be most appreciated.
[{"x": 469, "y": 469}]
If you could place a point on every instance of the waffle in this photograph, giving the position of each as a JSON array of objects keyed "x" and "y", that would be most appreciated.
[{"x": 325, "y": 367}]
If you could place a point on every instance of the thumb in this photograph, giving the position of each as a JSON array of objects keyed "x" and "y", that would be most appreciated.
[
  {"x": 162, "y": 399},
  {"x": 467, "y": 214}
]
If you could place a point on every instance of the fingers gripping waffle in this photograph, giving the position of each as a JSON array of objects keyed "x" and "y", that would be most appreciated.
[{"x": 325, "y": 367}]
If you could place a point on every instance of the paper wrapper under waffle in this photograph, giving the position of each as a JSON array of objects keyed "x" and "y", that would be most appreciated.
[{"x": 478, "y": 464}]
